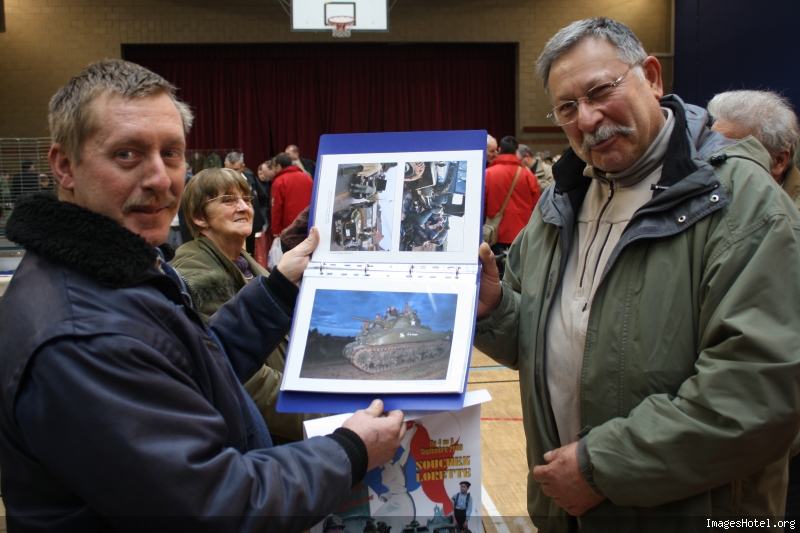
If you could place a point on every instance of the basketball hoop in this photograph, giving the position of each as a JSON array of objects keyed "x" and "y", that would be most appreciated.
[{"x": 341, "y": 25}]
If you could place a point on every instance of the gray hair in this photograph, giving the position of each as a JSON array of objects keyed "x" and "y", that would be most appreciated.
[
  {"x": 489, "y": 138},
  {"x": 767, "y": 116},
  {"x": 70, "y": 115},
  {"x": 524, "y": 150},
  {"x": 234, "y": 157},
  {"x": 629, "y": 48}
]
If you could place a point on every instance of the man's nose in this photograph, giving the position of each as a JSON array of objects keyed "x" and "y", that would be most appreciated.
[
  {"x": 588, "y": 116},
  {"x": 156, "y": 176}
]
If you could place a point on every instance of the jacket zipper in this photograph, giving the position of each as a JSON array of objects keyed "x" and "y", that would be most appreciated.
[{"x": 596, "y": 232}]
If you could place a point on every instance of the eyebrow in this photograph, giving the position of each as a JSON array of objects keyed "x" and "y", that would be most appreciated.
[{"x": 596, "y": 80}]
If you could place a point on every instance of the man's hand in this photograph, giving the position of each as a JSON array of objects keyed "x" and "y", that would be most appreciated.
[
  {"x": 491, "y": 292},
  {"x": 562, "y": 480},
  {"x": 381, "y": 434},
  {"x": 294, "y": 262}
]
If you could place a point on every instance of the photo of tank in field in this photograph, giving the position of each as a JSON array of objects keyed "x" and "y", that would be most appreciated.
[
  {"x": 433, "y": 206},
  {"x": 379, "y": 335},
  {"x": 362, "y": 217}
]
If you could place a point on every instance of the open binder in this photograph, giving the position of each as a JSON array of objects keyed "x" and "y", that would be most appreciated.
[{"x": 388, "y": 301}]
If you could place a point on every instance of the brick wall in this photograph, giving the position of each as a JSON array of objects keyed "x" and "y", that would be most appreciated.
[{"x": 48, "y": 41}]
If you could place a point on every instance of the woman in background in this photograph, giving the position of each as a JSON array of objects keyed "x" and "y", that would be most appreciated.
[{"x": 217, "y": 204}]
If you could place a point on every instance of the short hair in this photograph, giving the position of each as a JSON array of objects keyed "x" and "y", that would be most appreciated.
[
  {"x": 508, "y": 145},
  {"x": 489, "y": 139},
  {"x": 524, "y": 150},
  {"x": 629, "y": 48},
  {"x": 70, "y": 118},
  {"x": 204, "y": 186},
  {"x": 293, "y": 148},
  {"x": 283, "y": 160},
  {"x": 25, "y": 165},
  {"x": 234, "y": 157},
  {"x": 768, "y": 116}
]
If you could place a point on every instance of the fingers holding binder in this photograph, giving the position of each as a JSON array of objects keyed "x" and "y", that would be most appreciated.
[{"x": 294, "y": 262}]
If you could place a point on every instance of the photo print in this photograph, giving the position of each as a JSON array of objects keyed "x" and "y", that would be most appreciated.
[
  {"x": 433, "y": 206},
  {"x": 369, "y": 335},
  {"x": 363, "y": 213}
]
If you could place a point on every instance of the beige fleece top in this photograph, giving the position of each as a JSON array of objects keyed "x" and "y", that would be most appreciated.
[{"x": 610, "y": 202}]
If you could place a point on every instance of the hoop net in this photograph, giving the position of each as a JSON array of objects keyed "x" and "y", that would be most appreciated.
[{"x": 341, "y": 25}]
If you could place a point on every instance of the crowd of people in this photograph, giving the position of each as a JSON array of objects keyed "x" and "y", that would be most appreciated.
[{"x": 648, "y": 299}]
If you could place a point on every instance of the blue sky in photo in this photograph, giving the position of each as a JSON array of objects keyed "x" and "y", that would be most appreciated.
[{"x": 333, "y": 309}]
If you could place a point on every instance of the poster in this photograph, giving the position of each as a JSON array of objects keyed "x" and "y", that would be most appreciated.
[{"x": 438, "y": 459}]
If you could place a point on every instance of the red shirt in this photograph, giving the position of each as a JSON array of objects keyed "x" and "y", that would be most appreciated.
[
  {"x": 499, "y": 177},
  {"x": 291, "y": 193}
]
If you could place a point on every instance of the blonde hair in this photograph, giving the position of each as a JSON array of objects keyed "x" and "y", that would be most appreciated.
[{"x": 70, "y": 118}]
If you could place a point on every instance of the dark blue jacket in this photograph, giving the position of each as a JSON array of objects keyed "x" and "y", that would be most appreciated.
[{"x": 121, "y": 410}]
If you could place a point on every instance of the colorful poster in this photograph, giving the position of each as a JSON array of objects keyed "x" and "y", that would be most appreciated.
[{"x": 433, "y": 482}]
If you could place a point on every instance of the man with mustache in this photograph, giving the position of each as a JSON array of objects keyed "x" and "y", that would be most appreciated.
[
  {"x": 650, "y": 306},
  {"x": 120, "y": 408}
]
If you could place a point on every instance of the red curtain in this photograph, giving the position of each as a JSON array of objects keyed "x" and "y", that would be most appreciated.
[{"x": 263, "y": 97}]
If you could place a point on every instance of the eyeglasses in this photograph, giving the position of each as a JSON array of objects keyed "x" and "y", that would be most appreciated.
[
  {"x": 231, "y": 200},
  {"x": 596, "y": 96}
]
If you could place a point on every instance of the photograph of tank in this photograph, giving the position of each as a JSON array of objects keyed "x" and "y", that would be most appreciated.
[
  {"x": 433, "y": 206},
  {"x": 362, "y": 211},
  {"x": 366, "y": 335}
]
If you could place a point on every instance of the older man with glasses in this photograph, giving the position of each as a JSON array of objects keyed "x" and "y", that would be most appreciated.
[{"x": 650, "y": 306}]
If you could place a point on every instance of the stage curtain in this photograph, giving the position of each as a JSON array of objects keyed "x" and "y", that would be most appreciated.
[{"x": 263, "y": 97}]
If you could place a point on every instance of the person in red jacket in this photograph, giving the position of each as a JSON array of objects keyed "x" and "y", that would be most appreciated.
[
  {"x": 499, "y": 177},
  {"x": 291, "y": 193}
]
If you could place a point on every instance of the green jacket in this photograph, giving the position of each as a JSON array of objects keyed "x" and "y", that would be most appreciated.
[
  {"x": 689, "y": 386},
  {"x": 214, "y": 279},
  {"x": 791, "y": 184}
]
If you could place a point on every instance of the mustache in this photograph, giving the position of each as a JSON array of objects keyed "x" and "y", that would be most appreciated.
[
  {"x": 604, "y": 133},
  {"x": 150, "y": 201}
]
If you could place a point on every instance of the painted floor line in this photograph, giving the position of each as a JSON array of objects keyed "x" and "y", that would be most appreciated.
[{"x": 497, "y": 519}]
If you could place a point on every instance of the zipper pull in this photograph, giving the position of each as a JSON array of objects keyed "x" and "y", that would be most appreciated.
[{"x": 718, "y": 159}]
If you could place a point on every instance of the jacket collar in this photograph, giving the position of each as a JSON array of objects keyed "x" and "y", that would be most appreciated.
[
  {"x": 505, "y": 159},
  {"x": 80, "y": 239},
  {"x": 287, "y": 170}
]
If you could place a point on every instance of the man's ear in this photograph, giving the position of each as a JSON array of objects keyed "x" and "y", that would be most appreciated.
[
  {"x": 62, "y": 166},
  {"x": 652, "y": 73},
  {"x": 779, "y": 164}
]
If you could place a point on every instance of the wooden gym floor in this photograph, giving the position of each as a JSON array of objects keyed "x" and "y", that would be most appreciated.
[
  {"x": 502, "y": 445},
  {"x": 505, "y": 469}
]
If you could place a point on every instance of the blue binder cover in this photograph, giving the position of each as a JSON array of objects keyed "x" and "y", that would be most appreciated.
[{"x": 312, "y": 401}]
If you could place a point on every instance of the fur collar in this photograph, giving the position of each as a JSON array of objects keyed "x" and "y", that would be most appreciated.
[{"x": 80, "y": 239}]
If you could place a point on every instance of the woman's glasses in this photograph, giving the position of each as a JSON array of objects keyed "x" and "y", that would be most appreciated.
[{"x": 231, "y": 200}]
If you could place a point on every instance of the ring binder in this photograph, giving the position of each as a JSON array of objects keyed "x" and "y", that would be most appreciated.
[{"x": 388, "y": 299}]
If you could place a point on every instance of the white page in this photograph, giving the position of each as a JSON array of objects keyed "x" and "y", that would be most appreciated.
[{"x": 384, "y": 221}]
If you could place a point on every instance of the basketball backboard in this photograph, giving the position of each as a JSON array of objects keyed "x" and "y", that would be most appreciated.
[{"x": 313, "y": 15}]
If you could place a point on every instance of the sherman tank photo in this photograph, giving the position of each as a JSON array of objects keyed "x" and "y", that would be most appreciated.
[{"x": 396, "y": 341}]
